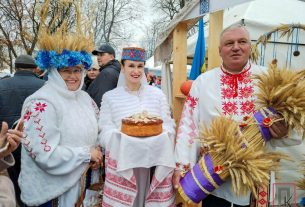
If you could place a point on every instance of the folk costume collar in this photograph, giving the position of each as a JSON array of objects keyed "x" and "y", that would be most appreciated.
[{"x": 233, "y": 79}]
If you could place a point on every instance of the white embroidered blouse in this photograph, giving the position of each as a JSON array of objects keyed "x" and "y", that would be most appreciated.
[{"x": 60, "y": 127}]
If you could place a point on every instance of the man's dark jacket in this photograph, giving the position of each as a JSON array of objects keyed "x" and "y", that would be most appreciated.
[
  {"x": 13, "y": 92},
  {"x": 105, "y": 81}
]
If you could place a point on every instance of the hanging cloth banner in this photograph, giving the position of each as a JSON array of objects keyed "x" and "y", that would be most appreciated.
[
  {"x": 209, "y": 6},
  {"x": 204, "y": 6}
]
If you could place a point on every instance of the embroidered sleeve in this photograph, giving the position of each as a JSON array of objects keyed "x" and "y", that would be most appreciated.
[
  {"x": 187, "y": 142},
  {"x": 43, "y": 138},
  {"x": 105, "y": 122},
  {"x": 168, "y": 122}
]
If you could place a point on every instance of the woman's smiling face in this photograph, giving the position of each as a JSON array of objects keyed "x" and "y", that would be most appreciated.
[
  {"x": 72, "y": 76},
  {"x": 134, "y": 71}
]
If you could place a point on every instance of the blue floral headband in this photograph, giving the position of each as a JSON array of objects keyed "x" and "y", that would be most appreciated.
[{"x": 51, "y": 59}]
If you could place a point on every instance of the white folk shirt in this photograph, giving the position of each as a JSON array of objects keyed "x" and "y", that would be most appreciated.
[
  {"x": 213, "y": 93},
  {"x": 60, "y": 128},
  {"x": 122, "y": 156}
]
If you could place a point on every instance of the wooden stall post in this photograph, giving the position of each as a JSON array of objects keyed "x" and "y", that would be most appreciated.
[
  {"x": 179, "y": 67},
  {"x": 215, "y": 28}
]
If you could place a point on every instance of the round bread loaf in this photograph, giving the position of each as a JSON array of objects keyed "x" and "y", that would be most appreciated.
[{"x": 142, "y": 125}]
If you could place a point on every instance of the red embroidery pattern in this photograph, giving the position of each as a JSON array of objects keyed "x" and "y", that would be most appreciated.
[
  {"x": 247, "y": 107},
  {"x": 154, "y": 184},
  {"x": 247, "y": 78},
  {"x": 118, "y": 196},
  {"x": 160, "y": 196},
  {"x": 229, "y": 108},
  {"x": 27, "y": 115},
  {"x": 40, "y": 107},
  {"x": 237, "y": 93},
  {"x": 245, "y": 92},
  {"x": 120, "y": 182},
  {"x": 191, "y": 101},
  {"x": 41, "y": 134},
  {"x": 227, "y": 93},
  {"x": 37, "y": 121},
  {"x": 111, "y": 163},
  {"x": 225, "y": 80},
  {"x": 167, "y": 182},
  {"x": 262, "y": 200},
  {"x": 186, "y": 119},
  {"x": 32, "y": 155},
  {"x": 26, "y": 145}
]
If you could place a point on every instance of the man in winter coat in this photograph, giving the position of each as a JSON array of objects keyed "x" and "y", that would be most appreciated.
[{"x": 109, "y": 73}]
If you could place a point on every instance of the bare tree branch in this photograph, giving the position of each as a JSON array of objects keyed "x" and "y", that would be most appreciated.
[
  {"x": 111, "y": 18},
  {"x": 20, "y": 23}
]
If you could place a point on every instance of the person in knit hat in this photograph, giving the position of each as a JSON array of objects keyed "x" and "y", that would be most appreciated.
[{"x": 92, "y": 73}]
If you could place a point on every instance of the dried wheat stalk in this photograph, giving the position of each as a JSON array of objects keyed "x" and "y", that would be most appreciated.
[
  {"x": 247, "y": 168},
  {"x": 283, "y": 90}
]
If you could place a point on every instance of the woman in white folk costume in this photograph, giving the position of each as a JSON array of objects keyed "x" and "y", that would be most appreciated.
[
  {"x": 60, "y": 121},
  {"x": 130, "y": 178},
  {"x": 229, "y": 90}
]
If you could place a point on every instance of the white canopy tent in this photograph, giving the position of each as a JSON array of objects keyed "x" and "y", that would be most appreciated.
[{"x": 260, "y": 17}]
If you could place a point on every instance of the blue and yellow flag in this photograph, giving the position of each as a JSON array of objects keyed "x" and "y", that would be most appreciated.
[{"x": 198, "y": 65}]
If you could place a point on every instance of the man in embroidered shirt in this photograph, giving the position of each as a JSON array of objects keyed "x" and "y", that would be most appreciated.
[{"x": 228, "y": 89}]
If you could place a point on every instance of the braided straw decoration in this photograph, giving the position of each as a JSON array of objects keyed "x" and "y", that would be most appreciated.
[
  {"x": 283, "y": 90},
  {"x": 248, "y": 167}
]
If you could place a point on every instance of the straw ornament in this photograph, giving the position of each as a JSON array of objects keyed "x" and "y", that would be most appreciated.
[
  {"x": 283, "y": 30},
  {"x": 229, "y": 156},
  {"x": 63, "y": 47},
  {"x": 283, "y": 90}
]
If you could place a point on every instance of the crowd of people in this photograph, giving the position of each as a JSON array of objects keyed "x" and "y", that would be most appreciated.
[{"x": 71, "y": 123}]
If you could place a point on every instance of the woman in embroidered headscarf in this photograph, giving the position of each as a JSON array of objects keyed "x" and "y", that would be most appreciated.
[
  {"x": 60, "y": 123},
  {"x": 138, "y": 171}
]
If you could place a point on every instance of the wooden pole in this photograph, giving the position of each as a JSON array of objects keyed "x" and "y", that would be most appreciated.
[
  {"x": 179, "y": 67},
  {"x": 215, "y": 28}
]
